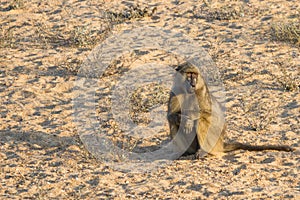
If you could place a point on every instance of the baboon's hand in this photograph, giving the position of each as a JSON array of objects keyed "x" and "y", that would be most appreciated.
[{"x": 188, "y": 124}]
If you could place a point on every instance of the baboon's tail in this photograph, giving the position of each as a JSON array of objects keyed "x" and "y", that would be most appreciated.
[{"x": 236, "y": 146}]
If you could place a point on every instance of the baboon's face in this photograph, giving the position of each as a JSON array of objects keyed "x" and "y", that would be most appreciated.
[
  {"x": 187, "y": 78},
  {"x": 191, "y": 79}
]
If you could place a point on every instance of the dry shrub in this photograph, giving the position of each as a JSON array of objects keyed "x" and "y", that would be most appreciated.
[
  {"x": 286, "y": 32},
  {"x": 134, "y": 12},
  {"x": 288, "y": 81}
]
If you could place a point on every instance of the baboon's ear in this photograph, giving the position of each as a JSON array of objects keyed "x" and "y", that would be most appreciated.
[
  {"x": 177, "y": 67},
  {"x": 181, "y": 66}
]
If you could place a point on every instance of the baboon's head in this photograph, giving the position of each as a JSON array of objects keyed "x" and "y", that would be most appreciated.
[{"x": 189, "y": 76}]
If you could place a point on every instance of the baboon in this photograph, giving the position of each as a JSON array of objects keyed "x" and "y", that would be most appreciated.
[{"x": 194, "y": 113}]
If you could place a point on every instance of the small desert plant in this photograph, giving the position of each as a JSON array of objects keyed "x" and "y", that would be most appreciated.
[
  {"x": 286, "y": 32},
  {"x": 287, "y": 80},
  {"x": 226, "y": 13},
  {"x": 82, "y": 37},
  {"x": 222, "y": 13},
  {"x": 70, "y": 65},
  {"x": 79, "y": 36},
  {"x": 134, "y": 12}
]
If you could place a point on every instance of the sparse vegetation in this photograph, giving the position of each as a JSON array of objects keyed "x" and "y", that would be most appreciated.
[
  {"x": 82, "y": 37},
  {"x": 79, "y": 36},
  {"x": 258, "y": 114},
  {"x": 287, "y": 32},
  {"x": 42, "y": 47},
  {"x": 287, "y": 80},
  {"x": 70, "y": 65},
  {"x": 45, "y": 37},
  {"x": 134, "y": 12},
  {"x": 146, "y": 98},
  {"x": 226, "y": 12}
]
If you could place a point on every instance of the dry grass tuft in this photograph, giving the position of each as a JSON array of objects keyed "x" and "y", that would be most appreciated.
[
  {"x": 134, "y": 12},
  {"x": 286, "y": 32},
  {"x": 226, "y": 12},
  {"x": 78, "y": 36},
  {"x": 82, "y": 37},
  {"x": 287, "y": 80}
]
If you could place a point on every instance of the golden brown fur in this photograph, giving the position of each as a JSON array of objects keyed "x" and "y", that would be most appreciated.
[{"x": 196, "y": 119}]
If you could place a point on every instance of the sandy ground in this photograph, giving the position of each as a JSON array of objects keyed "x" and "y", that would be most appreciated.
[{"x": 42, "y": 46}]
